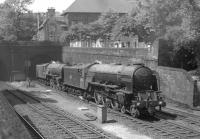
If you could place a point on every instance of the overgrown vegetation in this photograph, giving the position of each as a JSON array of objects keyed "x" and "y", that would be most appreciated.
[
  {"x": 177, "y": 21},
  {"x": 16, "y": 21}
]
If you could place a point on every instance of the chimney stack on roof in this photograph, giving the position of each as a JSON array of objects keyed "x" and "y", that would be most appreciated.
[{"x": 51, "y": 12}]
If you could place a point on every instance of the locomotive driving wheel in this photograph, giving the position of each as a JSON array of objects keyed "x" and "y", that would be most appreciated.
[
  {"x": 62, "y": 87},
  {"x": 107, "y": 102},
  {"x": 115, "y": 105},
  {"x": 134, "y": 111},
  {"x": 151, "y": 111},
  {"x": 47, "y": 83},
  {"x": 51, "y": 83},
  {"x": 98, "y": 98},
  {"x": 59, "y": 86},
  {"x": 123, "y": 109},
  {"x": 85, "y": 95}
]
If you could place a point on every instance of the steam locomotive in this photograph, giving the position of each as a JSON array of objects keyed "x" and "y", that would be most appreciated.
[{"x": 127, "y": 88}]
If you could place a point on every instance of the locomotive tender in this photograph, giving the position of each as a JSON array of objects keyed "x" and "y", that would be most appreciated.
[{"x": 130, "y": 88}]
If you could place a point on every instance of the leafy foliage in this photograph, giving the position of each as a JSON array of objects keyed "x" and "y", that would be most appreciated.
[
  {"x": 16, "y": 22},
  {"x": 102, "y": 28},
  {"x": 129, "y": 26},
  {"x": 170, "y": 19},
  {"x": 177, "y": 21},
  {"x": 107, "y": 21}
]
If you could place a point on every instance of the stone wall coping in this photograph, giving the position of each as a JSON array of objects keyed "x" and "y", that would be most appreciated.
[
  {"x": 119, "y": 52},
  {"x": 106, "y": 48},
  {"x": 29, "y": 43}
]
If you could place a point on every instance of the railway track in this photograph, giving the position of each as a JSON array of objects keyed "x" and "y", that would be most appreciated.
[
  {"x": 189, "y": 118},
  {"x": 63, "y": 123},
  {"x": 33, "y": 131},
  {"x": 35, "y": 134},
  {"x": 160, "y": 129},
  {"x": 181, "y": 113},
  {"x": 163, "y": 128}
]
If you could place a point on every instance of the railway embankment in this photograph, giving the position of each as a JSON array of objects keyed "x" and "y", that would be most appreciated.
[{"x": 11, "y": 126}]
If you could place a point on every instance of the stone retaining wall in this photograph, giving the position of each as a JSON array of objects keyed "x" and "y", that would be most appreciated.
[
  {"x": 178, "y": 85},
  {"x": 107, "y": 55}
]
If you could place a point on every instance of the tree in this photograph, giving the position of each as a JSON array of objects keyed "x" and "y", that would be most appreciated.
[
  {"x": 100, "y": 29},
  {"x": 28, "y": 27},
  {"x": 177, "y": 21},
  {"x": 125, "y": 26},
  {"x": 170, "y": 19},
  {"x": 16, "y": 20},
  {"x": 128, "y": 26},
  {"x": 107, "y": 22}
]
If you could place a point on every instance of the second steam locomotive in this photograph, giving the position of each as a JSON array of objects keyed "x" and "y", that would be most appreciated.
[{"x": 128, "y": 88}]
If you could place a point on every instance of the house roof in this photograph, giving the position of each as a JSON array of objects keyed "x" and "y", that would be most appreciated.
[
  {"x": 59, "y": 20},
  {"x": 99, "y": 6}
]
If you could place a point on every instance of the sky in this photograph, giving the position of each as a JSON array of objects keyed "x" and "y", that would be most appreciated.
[{"x": 43, "y": 5}]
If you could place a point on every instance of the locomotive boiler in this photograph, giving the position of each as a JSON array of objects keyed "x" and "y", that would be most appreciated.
[
  {"x": 128, "y": 88},
  {"x": 131, "y": 89}
]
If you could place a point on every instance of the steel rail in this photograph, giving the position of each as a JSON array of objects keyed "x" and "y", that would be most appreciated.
[
  {"x": 69, "y": 116},
  {"x": 40, "y": 112},
  {"x": 181, "y": 113},
  {"x": 31, "y": 126},
  {"x": 66, "y": 114},
  {"x": 162, "y": 127}
]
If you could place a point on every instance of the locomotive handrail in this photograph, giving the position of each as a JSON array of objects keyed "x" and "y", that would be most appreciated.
[
  {"x": 149, "y": 91},
  {"x": 105, "y": 85},
  {"x": 124, "y": 91},
  {"x": 158, "y": 91}
]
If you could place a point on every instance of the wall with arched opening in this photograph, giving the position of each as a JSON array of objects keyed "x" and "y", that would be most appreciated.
[
  {"x": 18, "y": 59},
  {"x": 38, "y": 59}
]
